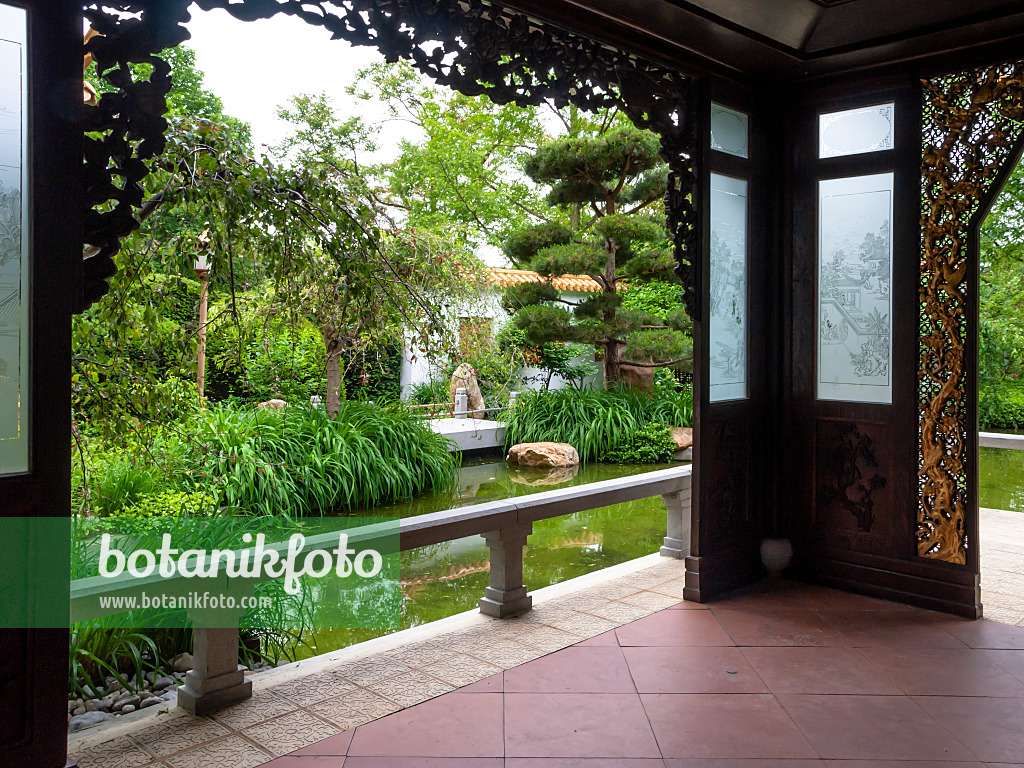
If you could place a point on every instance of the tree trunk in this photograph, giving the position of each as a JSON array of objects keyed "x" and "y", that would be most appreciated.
[
  {"x": 612, "y": 363},
  {"x": 335, "y": 347},
  {"x": 612, "y": 358}
]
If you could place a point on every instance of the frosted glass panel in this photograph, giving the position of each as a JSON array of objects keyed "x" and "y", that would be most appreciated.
[
  {"x": 854, "y": 289},
  {"x": 728, "y": 309},
  {"x": 13, "y": 242},
  {"x": 855, "y": 131},
  {"x": 728, "y": 130}
]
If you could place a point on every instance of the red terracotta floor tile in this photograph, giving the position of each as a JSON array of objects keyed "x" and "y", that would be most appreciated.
[
  {"x": 724, "y": 725},
  {"x": 333, "y": 745},
  {"x": 944, "y": 672},
  {"x": 492, "y": 684},
  {"x": 818, "y": 670},
  {"x": 682, "y": 669},
  {"x": 674, "y": 628},
  {"x": 425, "y": 762},
  {"x": 872, "y": 728},
  {"x": 308, "y": 761},
  {"x": 897, "y": 629},
  {"x": 605, "y": 638},
  {"x": 454, "y": 725},
  {"x": 611, "y": 725},
  {"x": 595, "y": 669},
  {"x": 712, "y": 762},
  {"x": 766, "y": 597},
  {"x": 1011, "y": 661},
  {"x": 823, "y": 598},
  {"x": 991, "y": 728},
  {"x": 984, "y": 633},
  {"x": 584, "y": 762},
  {"x": 781, "y": 627},
  {"x": 897, "y": 764}
]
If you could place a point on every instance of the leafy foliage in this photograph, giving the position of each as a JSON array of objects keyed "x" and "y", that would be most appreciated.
[
  {"x": 465, "y": 171},
  {"x": 263, "y": 462},
  {"x": 604, "y": 178},
  {"x": 1001, "y": 405},
  {"x": 1001, "y": 332},
  {"x": 650, "y": 444},
  {"x": 595, "y": 422}
]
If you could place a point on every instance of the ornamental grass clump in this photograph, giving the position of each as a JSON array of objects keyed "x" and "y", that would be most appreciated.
[
  {"x": 300, "y": 461},
  {"x": 595, "y": 422}
]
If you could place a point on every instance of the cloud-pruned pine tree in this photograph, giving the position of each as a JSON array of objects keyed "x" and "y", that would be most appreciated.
[{"x": 605, "y": 182}]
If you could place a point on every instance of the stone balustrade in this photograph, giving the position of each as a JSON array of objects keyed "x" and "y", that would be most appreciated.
[{"x": 217, "y": 680}]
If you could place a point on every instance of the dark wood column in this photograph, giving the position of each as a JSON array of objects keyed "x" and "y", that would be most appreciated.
[
  {"x": 734, "y": 473},
  {"x": 34, "y": 662}
]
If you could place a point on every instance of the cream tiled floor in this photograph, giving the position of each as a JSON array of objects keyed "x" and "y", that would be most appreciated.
[{"x": 1002, "y": 565}]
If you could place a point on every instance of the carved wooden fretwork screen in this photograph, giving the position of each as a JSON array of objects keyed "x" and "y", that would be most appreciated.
[
  {"x": 471, "y": 46},
  {"x": 972, "y": 122}
]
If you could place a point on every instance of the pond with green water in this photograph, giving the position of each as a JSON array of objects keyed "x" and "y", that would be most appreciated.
[
  {"x": 1002, "y": 479},
  {"x": 448, "y": 578}
]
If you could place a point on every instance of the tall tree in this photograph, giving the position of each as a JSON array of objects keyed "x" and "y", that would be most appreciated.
[
  {"x": 465, "y": 168},
  {"x": 605, "y": 179},
  {"x": 336, "y": 258},
  {"x": 1002, "y": 285}
]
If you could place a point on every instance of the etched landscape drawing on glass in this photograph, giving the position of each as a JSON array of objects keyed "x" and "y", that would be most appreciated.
[
  {"x": 854, "y": 289},
  {"x": 728, "y": 299},
  {"x": 13, "y": 243}
]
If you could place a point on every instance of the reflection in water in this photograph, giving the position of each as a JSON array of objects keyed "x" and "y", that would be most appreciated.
[
  {"x": 542, "y": 475},
  {"x": 450, "y": 577},
  {"x": 1002, "y": 479}
]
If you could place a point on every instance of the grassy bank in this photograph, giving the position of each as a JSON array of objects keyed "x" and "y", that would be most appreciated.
[{"x": 600, "y": 424}]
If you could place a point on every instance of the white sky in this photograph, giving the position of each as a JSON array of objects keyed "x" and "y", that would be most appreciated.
[{"x": 255, "y": 67}]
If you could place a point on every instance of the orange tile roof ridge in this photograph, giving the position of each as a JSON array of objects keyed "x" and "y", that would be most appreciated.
[{"x": 506, "y": 278}]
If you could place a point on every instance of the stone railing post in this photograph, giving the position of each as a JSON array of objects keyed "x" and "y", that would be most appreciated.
[
  {"x": 677, "y": 527},
  {"x": 506, "y": 595},
  {"x": 461, "y": 403},
  {"x": 513, "y": 398},
  {"x": 216, "y": 678}
]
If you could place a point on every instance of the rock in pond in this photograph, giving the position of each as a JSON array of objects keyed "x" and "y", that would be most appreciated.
[
  {"x": 683, "y": 437},
  {"x": 543, "y": 455}
]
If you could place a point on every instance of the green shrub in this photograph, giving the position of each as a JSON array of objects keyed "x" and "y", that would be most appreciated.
[
  {"x": 1001, "y": 405},
  {"x": 594, "y": 421},
  {"x": 288, "y": 364},
  {"x": 429, "y": 392},
  {"x": 123, "y": 483},
  {"x": 374, "y": 373},
  {"x": 137, "y": 518},
  {"x": 655, "y": 297},
  {"x": 650, "y": 444}
]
